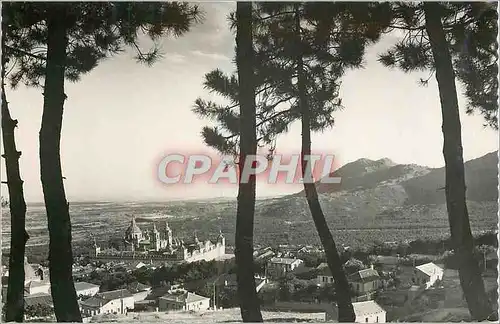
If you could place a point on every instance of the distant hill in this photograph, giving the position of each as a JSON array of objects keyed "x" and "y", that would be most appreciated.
[
  {"x": 366, "y": 174},
  {"x": 481, "y": 178},
  {"x": 384, "y": 195},
  {"x": 422, "y": 185}
]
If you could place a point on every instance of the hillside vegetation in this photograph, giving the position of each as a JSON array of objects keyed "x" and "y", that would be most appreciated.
[{"x": 376, "y": 201}]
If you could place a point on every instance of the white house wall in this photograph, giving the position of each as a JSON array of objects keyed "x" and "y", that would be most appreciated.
[
  {"x": 88, "y": 292},
  {"x": 373, "y": 318},
  {"x": 39, "y": 289},
  {"x": 114, "y": 306},
  {"x": 213, "y": 254},
  {"x": 202, "y": 305},
  {"x": 323, "y": 280}
]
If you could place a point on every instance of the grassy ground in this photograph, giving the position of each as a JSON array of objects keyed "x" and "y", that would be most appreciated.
[
  {"x": 223, "y": 316},
  {"x": 444, "y": 304},
  {"x": 440, "y": 315}
]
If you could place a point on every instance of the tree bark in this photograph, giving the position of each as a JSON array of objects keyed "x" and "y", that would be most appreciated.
[
  {"x": 343, "y": 292},
  {"x": 60, "y": 254},
  {"x": 249, "y": 302},
  {"x": 458, "y": 216},
  {"x": 17, "y": 205}
]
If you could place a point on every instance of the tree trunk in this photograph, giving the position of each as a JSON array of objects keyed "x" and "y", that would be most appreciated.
[
  {"x": 60, "y": 254},
  {"x": 249, "y": 302},
  {"x": 343, "y": 293},
  {"x": 17, "y": 205},
  {"x": 458, "y": 216}
]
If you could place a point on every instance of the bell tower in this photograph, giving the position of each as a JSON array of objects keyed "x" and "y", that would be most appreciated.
[
  {"x": 155, "y": 238},
  {"x": 221, "y": 244},
  {"x": 221, "y": 239},
  {"x": 168, "y": 235},
  {"x": 96, "y": 250}
]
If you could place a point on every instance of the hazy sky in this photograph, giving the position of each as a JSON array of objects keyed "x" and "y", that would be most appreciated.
[{"x": 122, "y": 117}]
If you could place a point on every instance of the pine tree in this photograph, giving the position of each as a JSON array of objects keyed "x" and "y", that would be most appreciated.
[
  {"x": 302, "y": 51},
  {"x": 313, "y": 44},
  {"x": 242, "y": 124},
  {"x": 456, "y": 41},
  {"x": 57, "y": 41},
  {"x": 14, "y": 310},
  {"x": 245, "y": 273}
]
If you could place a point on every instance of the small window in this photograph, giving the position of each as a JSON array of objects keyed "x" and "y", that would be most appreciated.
[
  {"x": 377, "y": 319},
  {"x": 366, "y": 320}
]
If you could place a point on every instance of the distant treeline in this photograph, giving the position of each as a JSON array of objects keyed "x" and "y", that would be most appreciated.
[
  {"x": 434, "y": 247},
  {"x": 418, "y": 247}
]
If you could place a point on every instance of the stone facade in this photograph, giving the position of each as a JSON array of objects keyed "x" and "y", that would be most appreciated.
[{"x": 161, "y": 245}]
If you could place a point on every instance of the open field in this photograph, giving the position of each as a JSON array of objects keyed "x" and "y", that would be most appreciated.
[{"x": 223, "y": 316}]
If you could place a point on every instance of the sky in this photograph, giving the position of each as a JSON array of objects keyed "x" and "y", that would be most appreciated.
[{"x": 123, "y": 117}]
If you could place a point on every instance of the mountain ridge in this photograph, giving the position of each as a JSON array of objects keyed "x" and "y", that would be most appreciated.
[
  {"x": 481, "y": 178},
  {"x": 373, "y": 188}
]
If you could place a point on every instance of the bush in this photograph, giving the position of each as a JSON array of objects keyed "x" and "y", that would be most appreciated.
[{"x": 38, "y": 310}]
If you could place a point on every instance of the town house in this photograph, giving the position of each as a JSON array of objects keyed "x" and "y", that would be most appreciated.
[
  {"x": 86, "y": 289},
  {"x": 426, "y": 275},
  {"x": 279, "y": 267},
  {"x": 183, "y": 301},
  {"x": 365, "y": 281},
  {"x": 365, "y": 312},
  {"x": 110, "y": 302},
  {"x": 324, "y": 275}
]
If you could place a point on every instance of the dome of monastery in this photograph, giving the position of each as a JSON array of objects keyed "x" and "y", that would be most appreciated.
[{"x": 133, "y": 228}]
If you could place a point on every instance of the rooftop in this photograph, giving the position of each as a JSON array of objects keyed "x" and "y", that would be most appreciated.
[
  {"x": 115, "y": 294},
  {"x": 367, "y": 308},
  {"x": 94, "y": 302},
  {"x": 284, "y": 260},
  {"x": 322, "y": 265},
  {"x": 158, "y": 292},
  {"x": 79, "y": 286},
  {"x": 324, "y": 271},
  {"x": 265, "y": 254},
  {"x": 185, "y": 297},
  {"x": 105, "y": 297},
  {"x": 429, "y": 268},
  {"x": 365, "y": 275},
  {"x": 136, "y": 287}
]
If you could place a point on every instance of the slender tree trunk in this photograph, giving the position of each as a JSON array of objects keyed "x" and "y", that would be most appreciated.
[
  {"x": 458, "y": 216},
  {"x": 249, "y": 302},
  {"x": 60, "y": 254},
  {"x": 17, "y": 205},
  {"x": 343, "y": 292}
]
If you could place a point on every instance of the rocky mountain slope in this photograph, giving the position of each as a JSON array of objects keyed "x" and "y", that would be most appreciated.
[
  {"x": 383, "y": 195},
  {"x": 481, "y": 177}
]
